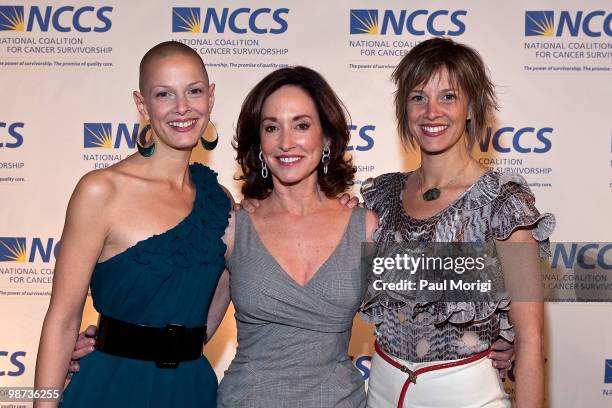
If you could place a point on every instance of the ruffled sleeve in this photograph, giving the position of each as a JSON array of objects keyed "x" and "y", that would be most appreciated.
[
  {"x": 515, "y": 208},
  {"x": 379, "y": 194}
]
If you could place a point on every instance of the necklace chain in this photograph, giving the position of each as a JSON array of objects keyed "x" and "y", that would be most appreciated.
[{"x": 434, "y": 192}]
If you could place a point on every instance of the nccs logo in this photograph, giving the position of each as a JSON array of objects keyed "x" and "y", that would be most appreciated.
[
  {"x": 13, "y": 130},
  {"x": 586, "y": 256},
  {"x": 102, "y": 135},
  {"x": 366, "y": 138},
  {"x": 19, "y": 366},
  {"x": 521, "y": 140},
  {"x": 14, "y": 249},
  {"x": 238, "y": 21},
  {"x": 61, "y": 19},
  {"x": 591, "y": 24},
  {"x": 608, "y": 372},
  {"x": 417, "y": 22}
]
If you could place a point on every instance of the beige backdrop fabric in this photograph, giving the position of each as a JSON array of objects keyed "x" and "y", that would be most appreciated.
[{"x": 67, "y": 70}]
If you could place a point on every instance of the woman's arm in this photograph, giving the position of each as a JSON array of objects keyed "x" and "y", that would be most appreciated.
[
  {"x": 219, "y": 305},
  {"x": 528, "y": 320},
  {"x": 221, "y": 299},
  {"x": 82, "y": 241},
  {"x": 371, "y": 225},
  {"x": 519, "y": 255}
]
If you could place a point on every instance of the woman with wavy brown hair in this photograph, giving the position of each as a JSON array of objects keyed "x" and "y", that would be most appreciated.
[{"x": 295, "y": 274}]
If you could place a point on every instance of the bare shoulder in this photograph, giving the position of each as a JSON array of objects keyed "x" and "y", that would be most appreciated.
[
  {"x": 112, "y": 183},
  {"x": 96, "y": 186},
  {"x": 87, "y": 210}
]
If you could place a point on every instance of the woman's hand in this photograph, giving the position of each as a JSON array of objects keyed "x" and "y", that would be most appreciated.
[
  {"x": 349, "y": 201},
  {"x": 250, "y": 205},
  {"x": 501, "y": 356},
  {"x": 84, "y": 345}
]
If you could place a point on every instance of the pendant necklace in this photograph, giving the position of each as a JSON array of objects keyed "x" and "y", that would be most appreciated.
[{"x": 434, "y": 192}]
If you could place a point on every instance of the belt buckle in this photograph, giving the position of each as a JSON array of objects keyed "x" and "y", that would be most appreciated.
[
  {"x": 172, "y": 337},
  {"x": 412, "y": 377}
]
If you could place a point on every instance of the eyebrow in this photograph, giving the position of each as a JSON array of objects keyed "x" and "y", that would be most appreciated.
[
  {"x": 169, "y": 86},
  {"x": 273, "y": 119},
  {"x": 442, "y": 91}
]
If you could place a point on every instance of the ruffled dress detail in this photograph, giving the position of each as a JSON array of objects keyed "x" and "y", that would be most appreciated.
[
  {"x": 166, "y": 278},
  {"x": 415, "y": 327}
]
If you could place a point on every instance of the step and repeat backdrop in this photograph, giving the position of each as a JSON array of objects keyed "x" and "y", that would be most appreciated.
[{"x": 68, "y": 68}]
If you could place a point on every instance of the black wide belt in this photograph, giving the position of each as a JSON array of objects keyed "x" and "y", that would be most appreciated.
[{"x": 167, "y": 346}]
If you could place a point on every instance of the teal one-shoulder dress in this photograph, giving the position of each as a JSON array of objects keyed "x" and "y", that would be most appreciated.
[{"x": 165, "y": 279}]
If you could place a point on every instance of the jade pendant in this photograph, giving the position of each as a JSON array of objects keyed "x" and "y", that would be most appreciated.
[{"x": 431, "y": 194}]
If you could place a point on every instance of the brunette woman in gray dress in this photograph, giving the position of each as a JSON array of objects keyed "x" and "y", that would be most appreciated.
[{"x": 295, "y": 274}]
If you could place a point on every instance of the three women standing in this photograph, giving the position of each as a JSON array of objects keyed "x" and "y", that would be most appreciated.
[{"x": 295, "y": 274}]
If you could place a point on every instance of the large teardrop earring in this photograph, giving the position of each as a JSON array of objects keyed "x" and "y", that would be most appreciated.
[
  {"x": 145, "y": 151},
  {"x": 213, "y": 143}
]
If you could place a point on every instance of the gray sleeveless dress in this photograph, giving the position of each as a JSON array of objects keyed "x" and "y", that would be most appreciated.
[{"x": 293, "y": 340}]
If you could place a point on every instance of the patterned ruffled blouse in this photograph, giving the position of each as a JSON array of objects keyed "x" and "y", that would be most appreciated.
[{"x": 420, "y": 330}]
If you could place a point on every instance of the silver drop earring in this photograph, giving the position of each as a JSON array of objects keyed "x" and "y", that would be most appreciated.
[
  {"x": 325, "y": 158},
  {"x": 264, "y": 166}
]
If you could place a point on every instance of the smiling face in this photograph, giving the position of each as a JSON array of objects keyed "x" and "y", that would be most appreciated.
[
  {"x": 291, "y": 135},
  {"x": 176, "y": 99},
  {"x": 437, "y": 114}
]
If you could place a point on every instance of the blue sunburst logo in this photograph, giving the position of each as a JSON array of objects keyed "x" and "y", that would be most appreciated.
[
  {"x": 11, "y": 18},
  {"x": 608, "y": 372},
  {"x": 97, "y": 135},
  {"x": 186, "y": 19},
  {"x": 13, "y": 249},
  {"x": 540, "y": 23},
  {"x": 364, "y": 21}
]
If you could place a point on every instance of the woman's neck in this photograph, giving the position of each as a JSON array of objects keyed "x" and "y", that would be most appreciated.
[
  {"x": 167, "y": 165},
  {"x": 297, "y": 199},
  {"x": 442, "y": 168}
]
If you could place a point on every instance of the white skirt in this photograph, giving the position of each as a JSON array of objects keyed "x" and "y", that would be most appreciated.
[{"x": 475, "y": 384}]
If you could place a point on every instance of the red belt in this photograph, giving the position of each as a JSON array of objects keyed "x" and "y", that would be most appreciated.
[{"x": 412, "y": 375}]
